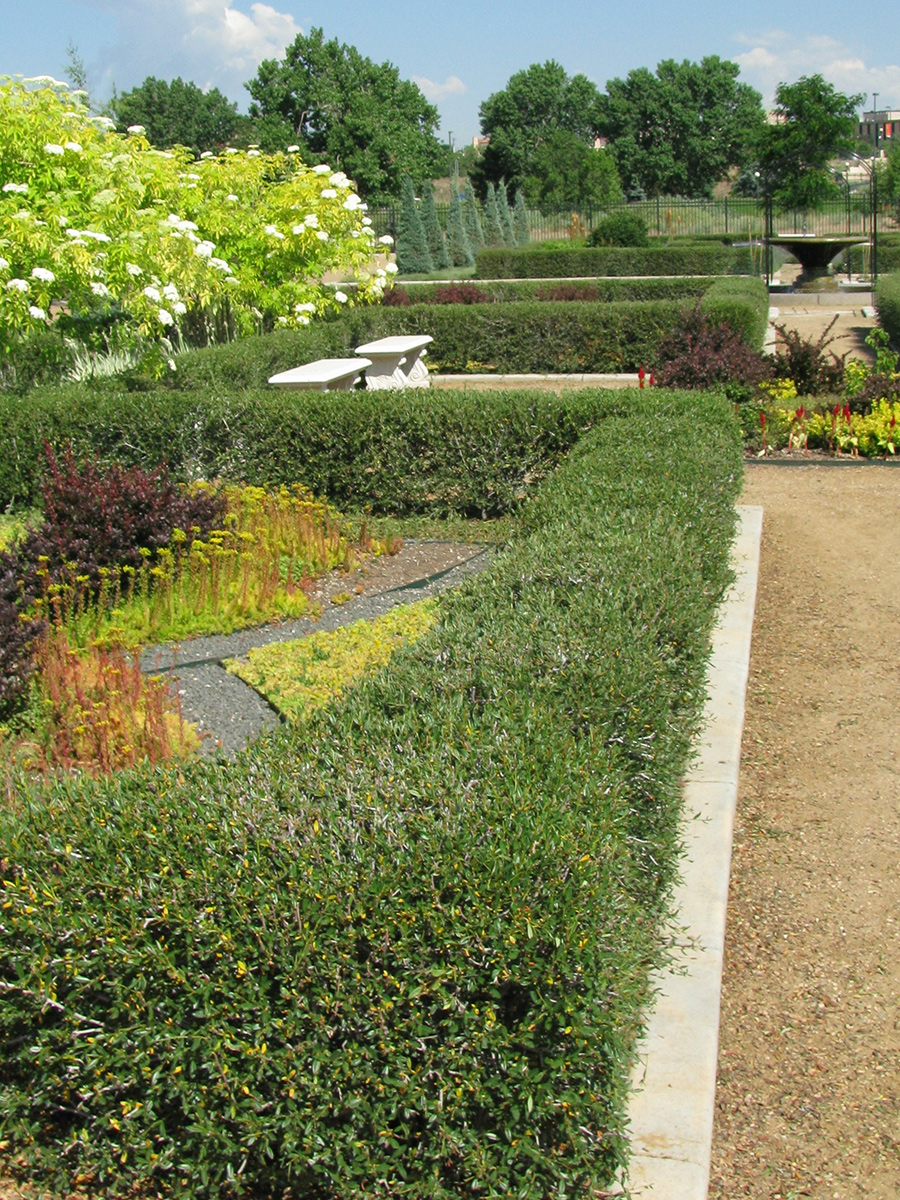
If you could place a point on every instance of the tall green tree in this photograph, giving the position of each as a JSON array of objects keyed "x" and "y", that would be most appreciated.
[
  {"x": 493, "y": 226},
  {"x": 506, "y": 219},
  {"x": 534, "y": 104},
  {"x": 676, "y": 132},
  {"x": 520, "y": 217},
  {"x": 178, "y": 114},
  {"x": 472, "y": 221},
  {"x": 458, "y": 247},
  {"x": 413, "y": 255},
  {"x": 434, "y": 235},
  {"x": 566, "y": 174},
  {"x": 357, "y": 115},
  {"x": 813, "y": 124}
]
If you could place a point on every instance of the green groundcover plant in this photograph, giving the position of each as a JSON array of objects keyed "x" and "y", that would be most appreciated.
[{"x": 404, "y": 949}]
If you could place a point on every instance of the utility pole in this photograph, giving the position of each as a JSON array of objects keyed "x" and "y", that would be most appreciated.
[{"x": 875, "y": 107}]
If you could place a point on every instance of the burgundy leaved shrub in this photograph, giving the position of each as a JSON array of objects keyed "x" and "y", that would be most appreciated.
[
  {"x": 567, "y": 291},
  {"x": 700, "y": 354},
  {"x": 99, "y": 517},
  {"x": 459, "y": 293},
  {"x": 813, "y": 368},
  {"x": 16, "y": 635},
  {"x": 396, "y": 297}
]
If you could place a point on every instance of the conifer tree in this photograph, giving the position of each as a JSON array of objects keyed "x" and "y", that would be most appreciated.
[
  {"x": 458, "y": 246},
  {"x": 520, "y": 217},
  {"x": 434, "y": 235},
  {"x": 506, "y": 221},
  {"x": 413, "y": 255},
  {"x": 474, "y": 232},
  {"x": 493, "y": 228}
]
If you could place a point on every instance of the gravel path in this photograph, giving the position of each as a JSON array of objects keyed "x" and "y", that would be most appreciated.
[
  {"x": 229, "y": 713},
  {"x": 808, "y": 1095}
]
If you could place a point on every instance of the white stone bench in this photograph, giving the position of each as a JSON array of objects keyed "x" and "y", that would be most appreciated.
[
  {"x": 323, "y": 375},
  {"x": 397, "y": 362}
]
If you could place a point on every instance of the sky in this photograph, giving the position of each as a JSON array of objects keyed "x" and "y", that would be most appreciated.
[{"x": 458, "y": 51}]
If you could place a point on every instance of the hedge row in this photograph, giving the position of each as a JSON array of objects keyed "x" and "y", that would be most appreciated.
[
  {"x": 742, "y": 303},
  {"x": 861, "y": 257},
  {"x": 404, "y": 951},
  {"x": 682, "y": 287},
  {"x": 528, "y": 262},
  {"x": 399, "y": 451},
  {"x": 887, "y": 301}
]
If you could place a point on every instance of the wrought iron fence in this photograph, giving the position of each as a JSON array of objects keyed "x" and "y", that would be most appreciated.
[{"x": 731, "y": 216}]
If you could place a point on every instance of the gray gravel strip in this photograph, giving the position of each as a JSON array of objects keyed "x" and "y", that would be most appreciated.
[{"x": 228, "y": 713}]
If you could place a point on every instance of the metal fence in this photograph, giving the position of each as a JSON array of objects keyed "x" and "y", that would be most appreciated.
[{"x": 668, "y": 216}]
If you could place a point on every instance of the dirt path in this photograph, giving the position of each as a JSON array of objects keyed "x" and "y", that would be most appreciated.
[{"x": 808, "y": 1101}]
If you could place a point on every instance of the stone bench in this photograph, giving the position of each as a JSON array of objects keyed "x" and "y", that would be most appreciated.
[
  {"x": 396, "y": 362},
  {"x": 323, "y": 375}
]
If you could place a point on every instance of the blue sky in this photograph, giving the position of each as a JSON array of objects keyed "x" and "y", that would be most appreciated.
[{"x": 458, "y": 51}]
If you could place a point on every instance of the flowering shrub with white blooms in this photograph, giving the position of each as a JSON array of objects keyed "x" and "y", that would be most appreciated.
[{"x": 95, "y": 222}]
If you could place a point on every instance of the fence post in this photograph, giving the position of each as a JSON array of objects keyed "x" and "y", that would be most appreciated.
[{"x": 726, "y": 216}]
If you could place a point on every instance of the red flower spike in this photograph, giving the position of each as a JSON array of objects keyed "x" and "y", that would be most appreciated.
[
  {"x": 835, "y": 412},
  {"x": 846, "y": 413},
  {"x": 652, "y": 380},
  {"x": 762, "y": 419},
  {"x": 641, "y": 375}
]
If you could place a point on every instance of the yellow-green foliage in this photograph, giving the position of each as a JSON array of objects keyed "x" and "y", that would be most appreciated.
[
  {"x": 870, "y": 434},
  {"x": 301, "y": 676},
  {"x": 255, "y": 569}
]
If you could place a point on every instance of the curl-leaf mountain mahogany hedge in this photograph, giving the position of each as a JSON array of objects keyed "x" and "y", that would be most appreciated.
[{"x": 406, "y": 948}]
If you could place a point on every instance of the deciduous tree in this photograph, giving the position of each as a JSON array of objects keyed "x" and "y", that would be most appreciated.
[
  {"x": 678, "y": 131},
  {"x": 344, "y": 109},
  {"x": 178, "y": 114},
  {"x": 566, "y": 173}
]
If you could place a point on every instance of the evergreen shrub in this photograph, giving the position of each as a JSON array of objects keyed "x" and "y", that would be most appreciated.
[
  {"x": 562, "y": 262},
  {"x": 619, "y": 229},
  {"x": 410, "y": 942}
]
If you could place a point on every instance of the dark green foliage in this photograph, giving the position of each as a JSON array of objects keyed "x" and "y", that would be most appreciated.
[
  {"x": 619, "y": 229},
  {"x": 887, "y": 301},
  {"x": 459, "y": 248},
  {"x": 536, "y": 105},
  {"x": 178, "y": 114},
  {"x": 472, "y": 219},
  {"x": 344, "y": 109},
  {"x": 676, "y": 132},
  {"x": 411, "y": 941},
  {"x": 413, "y": 253},
  {"x": 532, "y": 262},
  {"x": 860, "y": 257},
  {"x": 567, "y": 173},
  {"x": 434, "y": 235},
  {"x": 493, "y": 226},
  {"x": 506, "y": 218},
  {"x": 520, "y": 220},
  {"x": 647, "y": 288},
  {"x": 16, "y": 636},
  {"x": 814, "y": 123}
]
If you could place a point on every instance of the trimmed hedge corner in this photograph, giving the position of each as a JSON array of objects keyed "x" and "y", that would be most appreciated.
[
  {"x": 887, "y": 302},
  {"x": 405, "y": 950}
]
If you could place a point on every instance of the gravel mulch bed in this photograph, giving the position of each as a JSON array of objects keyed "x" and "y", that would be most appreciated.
[{"x": 228, "y": 713}]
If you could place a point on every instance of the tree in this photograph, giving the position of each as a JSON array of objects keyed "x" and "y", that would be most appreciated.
[
  {"x": 506, "y": 220},
  {"x": 565, "y": 174},
  {"x": 534, "y": 104},
  {"x": 434, "y": 235},
  {"x": 813, "y": 124},
  {"x": 472, "y": 222},
  {"x": 177, "y": 114},
  {"x": 493, "y": 226},
  {"x": 520, "y": 217},
  {"x": 344, "y": 109},
  {"x": 678, "y": 131},
  {"x": 458, "y": 246},
  {"x": 413, "y": 255}
]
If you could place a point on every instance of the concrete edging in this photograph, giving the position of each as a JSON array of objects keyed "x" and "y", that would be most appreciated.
[{"x": 671, "y": 1110}]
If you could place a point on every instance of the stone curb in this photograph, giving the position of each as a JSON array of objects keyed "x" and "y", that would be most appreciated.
[{"x": 671, "y": 1110}]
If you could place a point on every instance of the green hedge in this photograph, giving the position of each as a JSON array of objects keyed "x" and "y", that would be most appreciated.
[
  {"x": 603, "y": 289},
  {"x": 403, "y": 951},
  {"x": 887, "y": 301},
  {"x": 560, "y": 263},
  {"x": 743, "y": 304},
  {"x": 861, "y": 257},
  {"x": 399, "y": 451}
]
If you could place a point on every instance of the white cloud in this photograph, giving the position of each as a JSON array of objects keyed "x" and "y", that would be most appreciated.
[
  {"x": 440, "y": 91},
  {"x": 213, "y": 43},
  {"x": 779, "y": 57}
]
